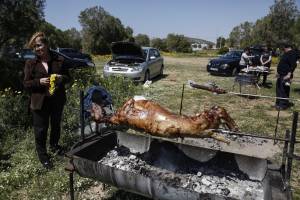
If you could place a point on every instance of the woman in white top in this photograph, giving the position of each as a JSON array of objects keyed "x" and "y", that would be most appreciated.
[
  {"x": 245, "y": 58},
  {"x": 265, "y": 60}
]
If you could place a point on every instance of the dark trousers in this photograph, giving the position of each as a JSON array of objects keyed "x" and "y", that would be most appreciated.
[
  {"x": 51, "y": 111},
  {"x": 282, "y": 91},
  {"x": 265, "y": 74}
]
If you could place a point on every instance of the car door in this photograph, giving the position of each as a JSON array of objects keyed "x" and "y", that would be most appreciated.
[
  {"x": 158, "y": 62},
  {"x": 152, "y": 62}
]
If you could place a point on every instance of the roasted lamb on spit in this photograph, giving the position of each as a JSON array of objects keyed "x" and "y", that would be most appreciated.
[{"x": 156, "y": 120}]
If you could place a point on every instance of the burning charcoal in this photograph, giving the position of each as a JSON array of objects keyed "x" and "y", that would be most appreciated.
[
  {"x": 185, "y": 184},
  {"x": 205, "y": 181},
  {"x": 225, "y": 191},
  {"x": 219, "y": 176},
  {"x": 199, "y": 174},
  {"x": 213, "y": 186}
]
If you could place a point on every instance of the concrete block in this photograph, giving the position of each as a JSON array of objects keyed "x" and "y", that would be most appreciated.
[
  {"x": 197, "y": 153},
  {"x": 255, "y": 168},
  {"x": 135, "y": 143}
]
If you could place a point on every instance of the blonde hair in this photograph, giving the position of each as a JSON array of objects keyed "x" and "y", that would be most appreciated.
[{"x": 41, "y": 35}]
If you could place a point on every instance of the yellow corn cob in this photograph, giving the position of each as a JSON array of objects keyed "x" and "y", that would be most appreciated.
[{"x": 52, "y": 83}]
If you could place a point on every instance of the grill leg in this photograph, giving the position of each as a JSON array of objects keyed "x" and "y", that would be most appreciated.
[{"x": 71, "y": 181}]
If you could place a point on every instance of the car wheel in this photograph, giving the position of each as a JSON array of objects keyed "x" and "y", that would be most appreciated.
[
  {"x": 147, "y": 76},
  {"x": 161, "y": 72}
]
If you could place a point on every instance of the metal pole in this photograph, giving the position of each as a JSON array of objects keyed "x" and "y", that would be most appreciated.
[
  {"x": 284, "y": 156},
  {"x": 291, "y": 148},
  {"x": 71, "y": 181},
  {"x": 249, "y": 135},
  {"x": 181, "y": 99},
  {"x": 81, "y": 115},
  {"x": 275, "y": 132}
]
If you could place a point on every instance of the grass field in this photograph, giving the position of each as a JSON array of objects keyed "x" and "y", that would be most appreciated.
[{"x": 256, "y": 116}]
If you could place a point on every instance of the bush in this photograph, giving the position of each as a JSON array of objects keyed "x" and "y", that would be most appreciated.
[
  {"x": 223, "y": 50},
  {"x": 11, "y": 73},
  {"x": 14, "y": 107}
]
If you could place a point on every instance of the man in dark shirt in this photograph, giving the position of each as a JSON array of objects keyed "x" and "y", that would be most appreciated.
[{"x": 285, "y": 69}]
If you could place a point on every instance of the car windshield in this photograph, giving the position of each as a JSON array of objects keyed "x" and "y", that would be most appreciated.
[{"x": 231, "y": 54}]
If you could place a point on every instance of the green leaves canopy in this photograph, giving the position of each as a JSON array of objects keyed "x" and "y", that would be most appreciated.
[
  {"x": 18, "y": 20},
  {"x": 142, "y": 40},
  {"x": 178, "y": 43},
  {"x": 100, "y": 29},
  {"x": 281, "y": 23}
]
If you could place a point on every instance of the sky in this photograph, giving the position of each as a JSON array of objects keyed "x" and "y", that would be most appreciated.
[{"x": 204, "y": 19}]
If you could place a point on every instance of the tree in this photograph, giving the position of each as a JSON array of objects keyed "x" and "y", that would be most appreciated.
[
  {"x": 56, "y": 37},
  {"x": 74, "y": 38},
  {"x": 100, "y": 29},
  {"x": 220, "y": 42},
  {"x": 159, "y": 44},
  {"x": 234, "y": 39},
  {"x": 262, "y": 32},
  {"x": 178, "y": 43},
  {"x": 241, "y": 36},
  {"x": 282, "y": 17},
  {"x": 19, "y": 19},
  {"x": 142, "y": 40},
  {"x": 279, "y": 25},
  {"x": 246, "y": 34},
  {"x": 129, "y": 31},
  {"x": 296, "y": 32}
]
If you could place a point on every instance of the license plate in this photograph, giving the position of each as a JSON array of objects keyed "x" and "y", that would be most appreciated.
[{"x": 214, "y": 69}]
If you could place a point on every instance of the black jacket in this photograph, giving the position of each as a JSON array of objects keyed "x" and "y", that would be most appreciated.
[{"x": 287, "y": 63}]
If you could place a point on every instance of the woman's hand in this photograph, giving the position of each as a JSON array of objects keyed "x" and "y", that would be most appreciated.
[
  {"x": 288, "y": 76},
  {"x": 45, "y": 81}
]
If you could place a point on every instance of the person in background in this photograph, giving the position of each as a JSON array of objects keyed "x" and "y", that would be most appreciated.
[
  {"x": 265, "y": 60},
  {"x": 45, "y": 107},
  {"x": 245, "y": 58},
  {"x": 285, "y": 69}
]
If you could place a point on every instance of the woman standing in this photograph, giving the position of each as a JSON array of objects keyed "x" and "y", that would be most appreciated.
[
  {"x": 45, "y": 108},
  {"x": 265, "y": 60},
  {"x": 245, "y": 58}
]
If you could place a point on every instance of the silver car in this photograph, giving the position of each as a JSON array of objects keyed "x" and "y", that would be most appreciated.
[{"x": 132, "y": 61}]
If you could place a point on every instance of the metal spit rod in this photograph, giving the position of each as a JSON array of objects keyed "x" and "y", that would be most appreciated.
[{"x": 249, "y": 135}]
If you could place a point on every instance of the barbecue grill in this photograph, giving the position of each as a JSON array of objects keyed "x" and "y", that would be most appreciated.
[{"x": 186, "y": 168}]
